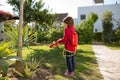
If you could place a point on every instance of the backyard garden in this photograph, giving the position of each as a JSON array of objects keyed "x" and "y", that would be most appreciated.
[
  {"x": 44, "y": 63},
  {"x": 25, "y": 53}
]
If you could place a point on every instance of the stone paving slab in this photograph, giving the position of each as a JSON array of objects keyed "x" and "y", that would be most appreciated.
[{"x": 109, "y": 62}]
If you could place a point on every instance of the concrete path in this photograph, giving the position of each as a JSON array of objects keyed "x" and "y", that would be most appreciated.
[{"x": 109, "y": 62}]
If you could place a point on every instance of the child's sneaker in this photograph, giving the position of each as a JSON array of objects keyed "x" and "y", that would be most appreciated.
[
  {"x": 70, "y": 74},
  {"x": 66, "y": 70}
]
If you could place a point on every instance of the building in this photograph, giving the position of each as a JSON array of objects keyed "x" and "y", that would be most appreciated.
[
  {"x": 99, "y": 9},
  {"x": 61, "y": 16},
  {"x": 98, "y": 1}
]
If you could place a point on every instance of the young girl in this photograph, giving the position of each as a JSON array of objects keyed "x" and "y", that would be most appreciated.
[{"x": 69, "y": 48}]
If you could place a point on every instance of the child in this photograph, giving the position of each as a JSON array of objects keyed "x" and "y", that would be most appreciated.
[{"x": 69, "y": 48}]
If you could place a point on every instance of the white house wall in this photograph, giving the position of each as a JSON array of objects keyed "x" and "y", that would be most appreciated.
[{"x": 99, "y": 9}]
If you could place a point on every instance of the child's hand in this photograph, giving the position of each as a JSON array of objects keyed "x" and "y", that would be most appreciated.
[
  {"x": 51, "y": 45},
  {"x": 54, "y": 44}
]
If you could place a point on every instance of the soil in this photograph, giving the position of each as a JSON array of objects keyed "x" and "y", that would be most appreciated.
[{"x": 40, "y": 74}]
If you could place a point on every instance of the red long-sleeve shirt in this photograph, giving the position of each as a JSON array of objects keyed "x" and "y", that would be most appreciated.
[{"x": 66, "y": 39}]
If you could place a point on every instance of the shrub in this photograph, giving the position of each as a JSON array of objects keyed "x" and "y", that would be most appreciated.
[
  {"x": 97, "y": 36},
  {"x": 107, "y": 27},
  {"x": 116, "y": 38},
  {"x": 55, "y": 33},
  {"x": 30, "y": 67},
  {"x": 28, "y": 35},
  {"x": 5, "y": 51},
  {"x": 85, "y": 28}
]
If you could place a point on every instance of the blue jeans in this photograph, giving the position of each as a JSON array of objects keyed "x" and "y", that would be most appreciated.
[{"x": 70, "y": 62}]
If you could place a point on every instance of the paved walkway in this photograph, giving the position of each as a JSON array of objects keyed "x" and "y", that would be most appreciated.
[{"x": 109, "y": 62}]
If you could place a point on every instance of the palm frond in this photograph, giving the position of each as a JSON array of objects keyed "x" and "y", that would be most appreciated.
[{"x": 3, "y": 67}]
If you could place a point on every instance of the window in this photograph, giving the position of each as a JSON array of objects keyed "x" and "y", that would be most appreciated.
[
  {"x": 96, "y": 30},
  {"x": 82, "y": 17}
]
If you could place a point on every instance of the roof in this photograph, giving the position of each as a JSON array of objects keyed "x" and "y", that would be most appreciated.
[
  {"x": 7, "y": 16},
  {"x": 99, "y": 1},
  {"x": 61, "y": 16}
]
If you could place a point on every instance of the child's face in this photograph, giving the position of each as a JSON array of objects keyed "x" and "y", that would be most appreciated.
[{"x": 65, "y": 25}]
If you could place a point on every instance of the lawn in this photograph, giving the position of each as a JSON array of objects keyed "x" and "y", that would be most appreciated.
[
  {"x": 53, "y": 61},
  {"x": 114, "y": 46}
]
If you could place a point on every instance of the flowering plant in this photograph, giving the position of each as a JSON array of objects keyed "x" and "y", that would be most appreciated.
[{"x": 4, "y": 16}]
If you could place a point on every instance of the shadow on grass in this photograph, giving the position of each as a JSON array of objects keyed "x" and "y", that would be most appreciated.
[
  {"x": 86, "y": 56},
  {"x": 54, "y": 61},
  {"x": 51, "y": 59},
  {"x": 86, "y": 65},
  {"x": 114, "y": 46}
]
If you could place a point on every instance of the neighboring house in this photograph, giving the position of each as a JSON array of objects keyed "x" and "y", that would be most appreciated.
[
  {"x": 61, "y": 16},
  {"x": 99, "y": 9},
  {"x": 10, "y": 16},
  {"x": 75, "y": 21}
]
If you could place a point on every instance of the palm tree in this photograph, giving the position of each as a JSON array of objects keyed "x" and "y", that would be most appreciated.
[{"x": 19, "y": 67}]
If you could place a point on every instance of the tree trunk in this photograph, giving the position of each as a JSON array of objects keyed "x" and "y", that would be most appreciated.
[{"x": 19, "y": 66}]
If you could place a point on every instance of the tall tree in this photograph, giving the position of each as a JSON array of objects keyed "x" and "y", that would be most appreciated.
[
  {"x": 34, "y": 11},
  {"x": 19, "y": 67},
  {"x": 107, "y": 27},
  {"x": 85, "y": 28}
]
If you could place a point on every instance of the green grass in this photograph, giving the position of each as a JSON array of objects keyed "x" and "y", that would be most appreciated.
[
  {"x": 114, "y": 46},
  {"x": 53, "y": 60}
]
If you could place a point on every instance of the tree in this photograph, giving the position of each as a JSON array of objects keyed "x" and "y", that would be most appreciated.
[
  {"x": 85, "y": 28},
  {"x": 33, "y": 11},
  {"x": 117, "y": 35},
  {"x": 107, "y": 27},
  {"x": 19, "y": 67}
]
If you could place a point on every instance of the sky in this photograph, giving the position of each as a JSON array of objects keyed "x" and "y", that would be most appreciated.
[
  {"x": 71, "y": 6},
  {"x": 62, "y": 6},
  {"x": 4, "y": 6}
]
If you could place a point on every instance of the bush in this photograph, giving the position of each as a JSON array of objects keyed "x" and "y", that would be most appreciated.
[
  {"x": 85, "y": 29},
  {"x": 5, "y": 50},
  {"x": 97, "y": 36},
  {"x": 116, "y": 37},
  {"x": 107, "y": 27},
  {"x": 28, "y": 35},
  {"x": 84, "y": 32},
  {"x": 46, "y": 34},
  {"x": 56, "y": 34}
]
